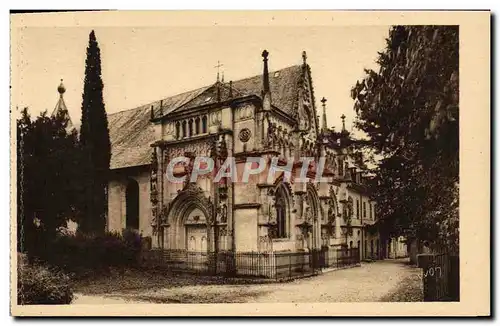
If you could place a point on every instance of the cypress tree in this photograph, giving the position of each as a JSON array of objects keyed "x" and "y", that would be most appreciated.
[{"x": 95, "y": 144}]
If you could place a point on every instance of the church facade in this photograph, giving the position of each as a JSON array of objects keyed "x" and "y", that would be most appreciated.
[{"x": 270, "y": 118}]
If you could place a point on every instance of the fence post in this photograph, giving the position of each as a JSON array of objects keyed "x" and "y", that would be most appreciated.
[
  {"x": 275, "y": 267},
  {"x": 454, "y": 278},
  {"x": 426, "y": 262}
]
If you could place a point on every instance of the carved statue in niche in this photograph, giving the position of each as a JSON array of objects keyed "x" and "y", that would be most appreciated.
[
  {"x": 222, "y": 213},
  {"x": 163, "y": 218},
  {"x": 303, "y": 205},
  {"x": 188, "y": 167},
  {"x": 270, "y": 210},
  {"x": 308, "y": 214},
  {"x": 154, "y": 220},
  {"x": 331, "y": 211},
  {"x": 210, "y": 206},
  {"x": 153, "y": 190},
  {"x": 154, "y": 171},
  {"x": 271, "y": 131}
]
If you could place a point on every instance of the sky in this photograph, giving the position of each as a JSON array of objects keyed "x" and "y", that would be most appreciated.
[{"x": 144, "y": 64}]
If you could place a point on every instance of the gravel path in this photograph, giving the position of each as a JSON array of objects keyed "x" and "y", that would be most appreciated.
[{"x": 369, "y": 283}]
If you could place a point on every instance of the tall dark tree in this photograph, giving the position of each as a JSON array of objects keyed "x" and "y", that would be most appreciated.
[
  {"x": 95, "y": 144},
  {"x": 409, "y": 112},
  {"x": 47, "y": 181}
]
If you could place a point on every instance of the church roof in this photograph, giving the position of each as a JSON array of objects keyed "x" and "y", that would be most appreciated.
[
  {"x": 131, "y": 131},
  {"x": 284, "y": 84}
]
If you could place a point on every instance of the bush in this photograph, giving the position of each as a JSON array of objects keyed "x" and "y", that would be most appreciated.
[
  {"x": 37, "y": 284},
  {"x": 82, "y": 253}
]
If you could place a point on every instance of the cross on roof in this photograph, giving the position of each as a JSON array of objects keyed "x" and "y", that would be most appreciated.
[{"x": 218, "y": 66}]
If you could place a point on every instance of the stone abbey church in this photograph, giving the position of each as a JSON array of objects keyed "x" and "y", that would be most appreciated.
[{"x": 271, "y": 115}]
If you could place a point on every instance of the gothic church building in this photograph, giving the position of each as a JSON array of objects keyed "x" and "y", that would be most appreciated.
[{"x": 271, "y": 115}]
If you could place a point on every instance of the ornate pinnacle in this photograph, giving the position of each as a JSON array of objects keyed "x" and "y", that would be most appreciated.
[{"x": 265, "y": 54}]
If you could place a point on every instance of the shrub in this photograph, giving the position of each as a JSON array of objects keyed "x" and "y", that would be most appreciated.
[
  {"x": 37, "y": 284},
  {"x": 82, "y": 253}
]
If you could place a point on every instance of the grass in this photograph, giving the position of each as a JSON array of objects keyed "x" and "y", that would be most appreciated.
[
  {"x": 160, "y": 286},
  {"x": 409, "y": 290},
  {"x": 131, "y": 280}
]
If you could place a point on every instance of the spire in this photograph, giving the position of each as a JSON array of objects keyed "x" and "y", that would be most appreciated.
[
  {"x": 324, "y": 126},
  {"x": 222, "y": 80},
  {"x": 304, "y": 57},
  {"x": 343, "y": 122},
  {"x": 265, "y": 76},
  {"x": 61, "y": 105}
]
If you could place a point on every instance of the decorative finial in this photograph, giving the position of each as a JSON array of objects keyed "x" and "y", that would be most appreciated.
[
  {"x": 304, "y": 57},
  {"x": 323, "y": 101},
  {"x": 265, "y": 76},
  {"x": 343, "y": 121},
  {"x": 61, "y": 89},
  {"x": 265, "y": 54}
]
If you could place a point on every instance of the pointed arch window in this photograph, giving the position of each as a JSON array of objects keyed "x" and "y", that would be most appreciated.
[
  {"x": 281, "y": 215},
  {"x": 197, "y": 126},
  {"x": 341, "y": 167},
  {"x": 190, "y": 127},
  {"x": 177, "y": 129},
  {"x": 204, "y": 124},
  {"x": 184, "y": 127}
]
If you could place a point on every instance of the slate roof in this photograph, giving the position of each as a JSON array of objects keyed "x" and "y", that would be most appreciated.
[{"x": 131, "y": 132}]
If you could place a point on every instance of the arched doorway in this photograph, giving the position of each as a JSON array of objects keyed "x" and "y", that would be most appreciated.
[
  {"x": 195, "y": 231},
  {"x": 188, "y": 217},
  {"x": 132, "y": 205}
]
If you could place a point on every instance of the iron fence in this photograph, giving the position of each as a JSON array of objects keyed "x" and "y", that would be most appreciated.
[
  {"x": 340, "y": 257},
  {"x": 270, "y": 265}
]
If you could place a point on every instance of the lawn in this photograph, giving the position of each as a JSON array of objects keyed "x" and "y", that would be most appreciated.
[{"x": 410, "y": 289}]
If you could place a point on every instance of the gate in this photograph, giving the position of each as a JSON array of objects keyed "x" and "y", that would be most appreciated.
[{"x": 441, "y": 276}]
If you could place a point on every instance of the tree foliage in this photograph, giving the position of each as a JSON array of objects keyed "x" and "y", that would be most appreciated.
[
  {"x": 409, "y": 112},
  {"x": 95, "y": 143},
  {"x": 47, "y": 181}
]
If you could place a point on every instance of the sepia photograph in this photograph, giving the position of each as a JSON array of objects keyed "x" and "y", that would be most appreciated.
[{"x": 202, "y": 158}]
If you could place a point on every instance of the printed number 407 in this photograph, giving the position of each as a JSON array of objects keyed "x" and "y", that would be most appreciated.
[{"x": 433, "y": 271}]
